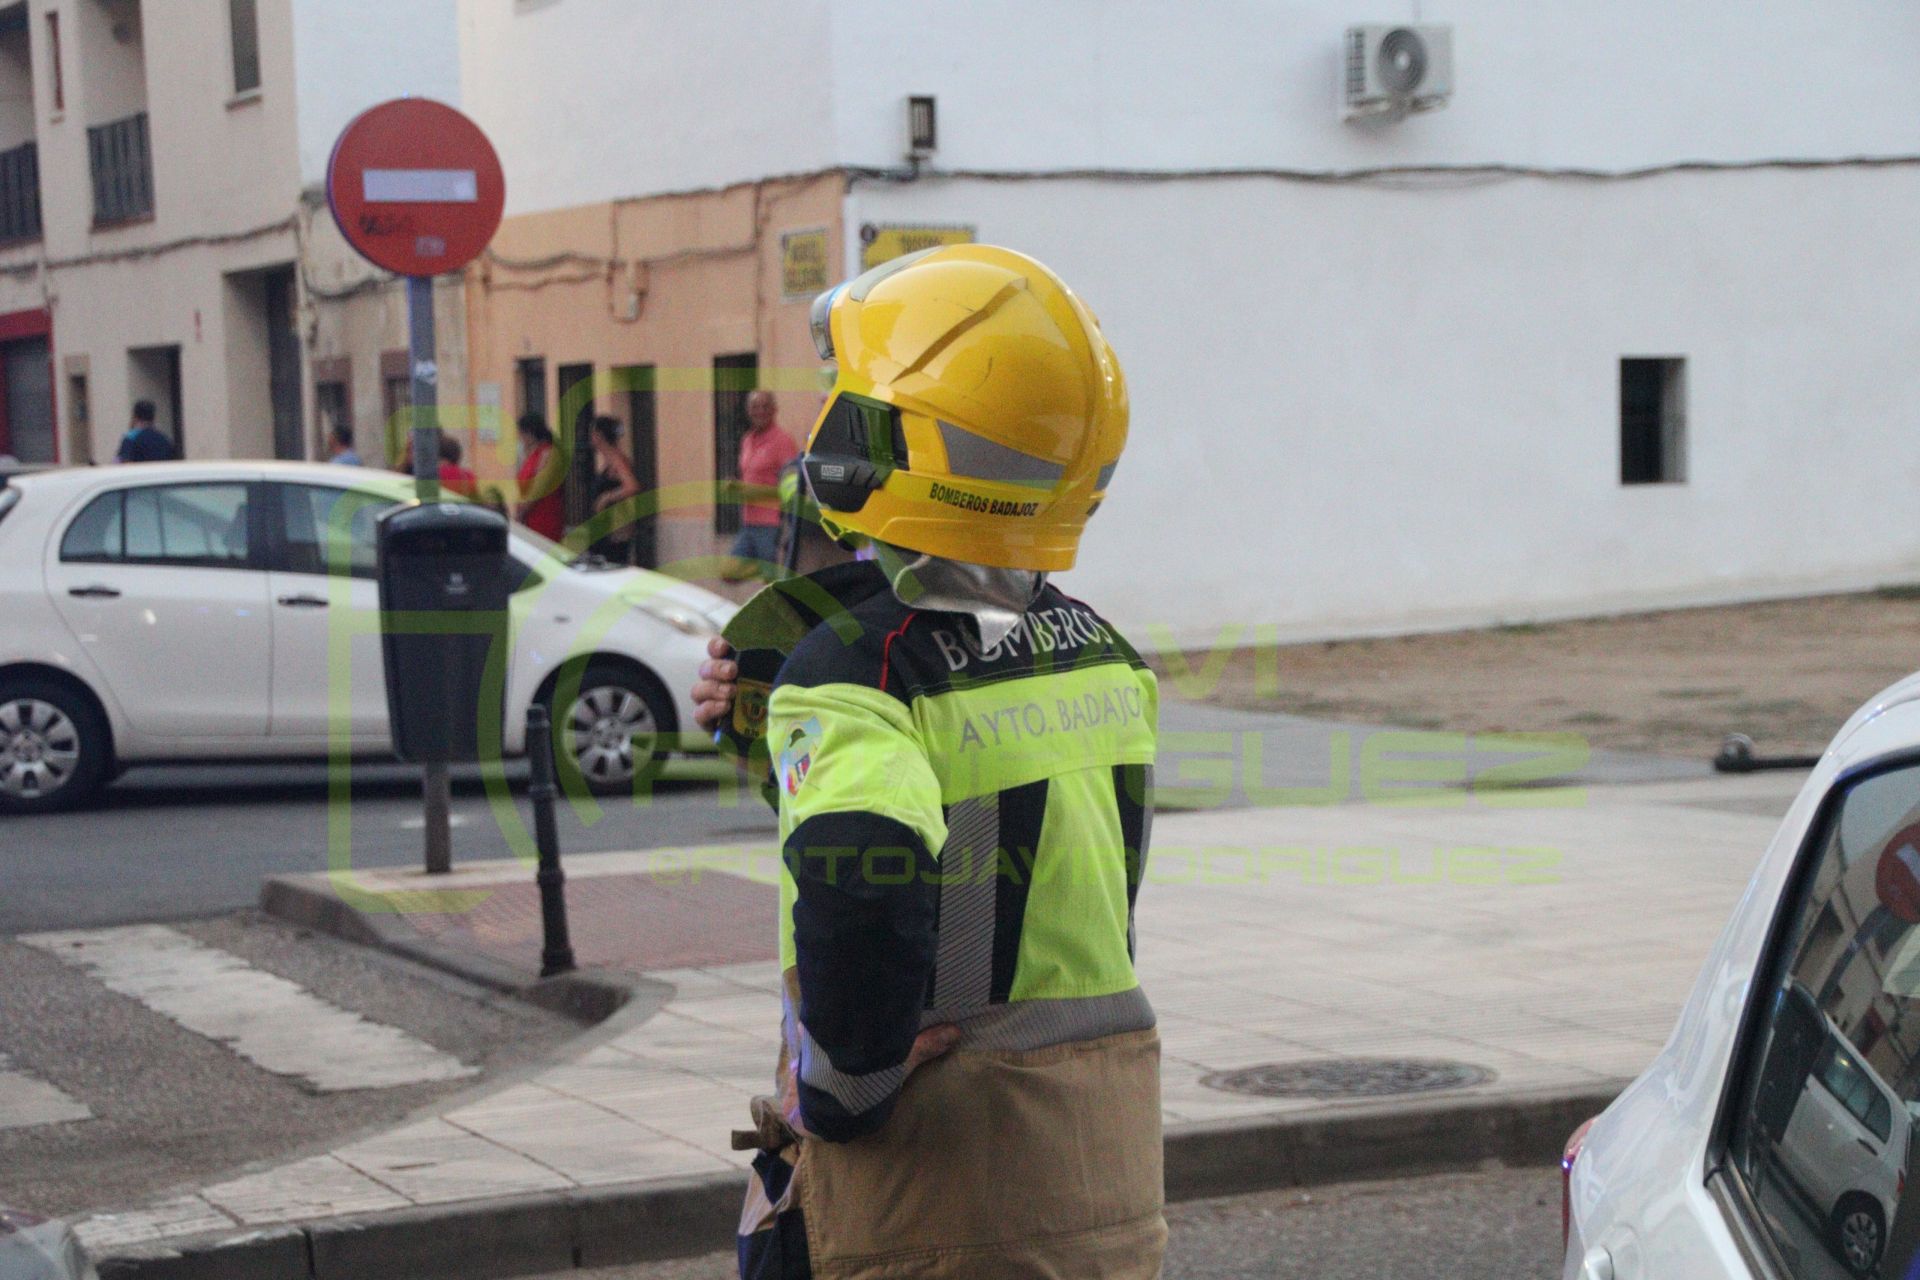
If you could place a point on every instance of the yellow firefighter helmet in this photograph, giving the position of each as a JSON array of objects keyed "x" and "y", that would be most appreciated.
[{"x": 977, "y": 414}]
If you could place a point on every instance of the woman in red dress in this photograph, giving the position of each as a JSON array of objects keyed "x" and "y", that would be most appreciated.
[{"x": 543, "y": 499}]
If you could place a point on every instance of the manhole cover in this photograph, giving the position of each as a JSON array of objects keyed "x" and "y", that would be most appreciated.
[{"x": 1348, "y": 1078}]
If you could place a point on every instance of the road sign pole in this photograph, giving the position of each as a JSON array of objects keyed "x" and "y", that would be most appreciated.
[
  {"x": 426, "y": 388},
  {"x": 416, "y": 188},
  {"x": 436, "y": 784}
]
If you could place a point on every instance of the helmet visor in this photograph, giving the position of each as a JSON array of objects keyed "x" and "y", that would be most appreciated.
[
  {"x": 820, "y": 320},
  {"x": 855, "y": 448}
]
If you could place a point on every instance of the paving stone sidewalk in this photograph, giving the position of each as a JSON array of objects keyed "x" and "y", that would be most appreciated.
[{"x": 1547, "y": 937}]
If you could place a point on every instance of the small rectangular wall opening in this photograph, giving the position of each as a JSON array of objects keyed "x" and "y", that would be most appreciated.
[
  {"x": 1653, "y": 419},
  {"x": 79, "y": 421},
  {"x": 153, "y": 373},
  {"x": 642, "y": 417},
  {"x": 266, "y": 395}
]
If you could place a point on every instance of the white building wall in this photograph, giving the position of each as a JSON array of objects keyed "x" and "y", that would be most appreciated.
[
  {"x": 1374, "y": 405},
  {"x": 1142, "y": 84},
  {"x": 351, "y": 54},
  {"x": 108, "y": 36},
  {"x": 596, "y": 100},
  {"x": 1358, "y": 408}
]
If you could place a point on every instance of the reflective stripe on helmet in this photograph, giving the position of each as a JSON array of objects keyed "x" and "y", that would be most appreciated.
[{"x": 974, "y": 457}]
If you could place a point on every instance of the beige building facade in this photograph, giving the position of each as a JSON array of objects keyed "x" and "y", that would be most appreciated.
[{"x": 661, "y": 312}]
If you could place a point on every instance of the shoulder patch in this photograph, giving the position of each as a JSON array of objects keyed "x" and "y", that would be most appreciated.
[{"x": 795, "y": 756}]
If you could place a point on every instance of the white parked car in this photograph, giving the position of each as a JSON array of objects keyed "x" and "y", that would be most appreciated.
[
  {"x": 186, "y": 611},
  {"x": 1771, "y": 1136},
  {"x": 1845, "y": 1144}
]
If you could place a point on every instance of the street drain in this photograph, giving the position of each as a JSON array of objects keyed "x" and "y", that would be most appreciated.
[{"x": 1348, "y": 1078}]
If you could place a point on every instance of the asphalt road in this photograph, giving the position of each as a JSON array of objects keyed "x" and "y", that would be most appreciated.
[
  {"x": 182, "y": 841},
  {"x": 179, "y": 842},
  {"x": 1501, "y": 1224}
]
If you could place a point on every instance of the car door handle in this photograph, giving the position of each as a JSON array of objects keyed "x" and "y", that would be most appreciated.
[
  {"x": 1873, "y": 1150},
  {"x": 303, "y": 602},
  {"x": 95, "y": 591}
]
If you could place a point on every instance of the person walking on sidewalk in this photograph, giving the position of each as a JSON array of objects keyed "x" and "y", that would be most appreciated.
[
  {"x": 145, "y": 442},
  {"x": 969, "y": 1084}
]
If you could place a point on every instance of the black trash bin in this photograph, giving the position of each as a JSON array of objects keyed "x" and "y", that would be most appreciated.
[{"x": 445, "y": 580}]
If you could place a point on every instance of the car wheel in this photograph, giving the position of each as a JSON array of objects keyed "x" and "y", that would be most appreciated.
[
  {"x": 1859, "y": 1233},
  {"x": 53, "y": 747},
  {"x": 613, "y": 731}
]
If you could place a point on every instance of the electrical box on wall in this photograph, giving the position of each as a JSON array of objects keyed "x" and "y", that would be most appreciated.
[{"x": 1393, "y": 71}]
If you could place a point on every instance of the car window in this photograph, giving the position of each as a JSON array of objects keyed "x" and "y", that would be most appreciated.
[
  {"x": 328, "y": 530},
  {"x": 184, "y": 524},
  {"x": 1821, "y": 1135},
  {"x": 1839, "y": 1072},
  {"x": 94, "y": 535},
  {"x": 1879, "y": 1117}
]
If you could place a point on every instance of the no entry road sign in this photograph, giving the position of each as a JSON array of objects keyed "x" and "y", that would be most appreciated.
[
  {"x": 416, "y": 187},
  {"x": 1896, "y": 877}
]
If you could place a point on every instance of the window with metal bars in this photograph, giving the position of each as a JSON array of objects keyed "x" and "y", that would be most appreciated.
[{"x": 122, "y": 165}]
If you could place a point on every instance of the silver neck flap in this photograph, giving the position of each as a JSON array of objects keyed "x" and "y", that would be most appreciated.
[{"x": 994, "y": 598}]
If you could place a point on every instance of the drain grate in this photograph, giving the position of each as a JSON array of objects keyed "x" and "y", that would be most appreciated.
[{"x": 1348, "y": 1078}]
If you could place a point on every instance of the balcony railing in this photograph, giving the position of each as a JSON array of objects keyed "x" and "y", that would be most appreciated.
[
  {"x": 122, "y": 170},
  {"x": 20, "y": 193}
]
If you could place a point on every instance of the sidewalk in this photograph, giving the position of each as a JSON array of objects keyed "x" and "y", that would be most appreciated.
[{"x": 1546, "y": 940}]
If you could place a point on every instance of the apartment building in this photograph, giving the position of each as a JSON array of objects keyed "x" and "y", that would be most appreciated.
[{"x": 163, "y": 235}]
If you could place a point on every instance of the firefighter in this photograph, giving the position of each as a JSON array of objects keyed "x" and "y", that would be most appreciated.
[{"x": 961, "y": 756}]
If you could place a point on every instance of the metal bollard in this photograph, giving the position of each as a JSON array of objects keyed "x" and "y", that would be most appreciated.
[{"x": 556, "y": 951}]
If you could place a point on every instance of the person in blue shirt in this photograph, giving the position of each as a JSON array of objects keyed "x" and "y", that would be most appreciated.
[
  {"x": 341, "y": 442},
  {"x": 144, "y": 442}
]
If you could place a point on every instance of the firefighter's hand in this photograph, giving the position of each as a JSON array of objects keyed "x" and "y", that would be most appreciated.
[
  {"x": 713, "y": 691},
  {"x": 928, "y": 1045},
  {"x": 931, "y": 1044}
]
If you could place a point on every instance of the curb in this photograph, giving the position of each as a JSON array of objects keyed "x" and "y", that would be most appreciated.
[
  {"x": 585, "y": 995},
  {"x": 646, "y": 1222},
  {"x": 1377, "y": 1140}
]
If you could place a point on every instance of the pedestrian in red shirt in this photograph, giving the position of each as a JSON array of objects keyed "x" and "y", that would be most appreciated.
[
  {"x": 455, "y": 478},
  {"x": 764, "y": 451},
  {"x": 543, "y": 499}
]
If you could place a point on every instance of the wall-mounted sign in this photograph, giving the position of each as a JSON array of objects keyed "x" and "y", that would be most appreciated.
[
  {"x": 886, "y": 241},
  {"x": 803, "y": 264},
  {"x": 486, "y": 411}
]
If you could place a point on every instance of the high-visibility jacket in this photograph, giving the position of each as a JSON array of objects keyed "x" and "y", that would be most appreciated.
[{"x": 964, "y": 832}]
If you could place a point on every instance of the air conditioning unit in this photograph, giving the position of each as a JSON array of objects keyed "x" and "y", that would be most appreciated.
[{"x": 1393, "y": 72}]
